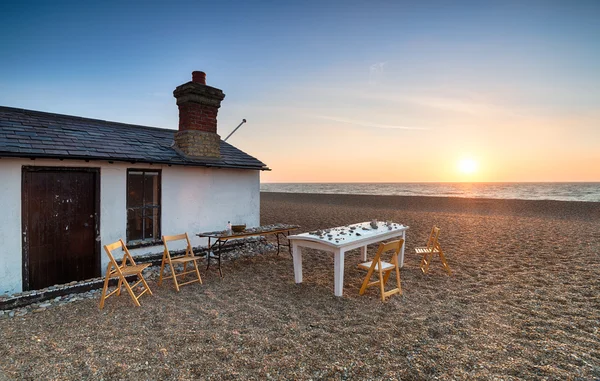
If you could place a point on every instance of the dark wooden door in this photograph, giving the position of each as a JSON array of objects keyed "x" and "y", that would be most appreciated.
[{"x": 60, "y": 225}]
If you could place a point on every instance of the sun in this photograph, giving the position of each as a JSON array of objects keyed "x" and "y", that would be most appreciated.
[{"x": 467, "y": 166}]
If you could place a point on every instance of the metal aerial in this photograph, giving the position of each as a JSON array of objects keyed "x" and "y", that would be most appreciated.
[{"x": 234, "y": 130}]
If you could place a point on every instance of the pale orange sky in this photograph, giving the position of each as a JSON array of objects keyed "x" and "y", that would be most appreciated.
[{"x": 418, "y": 138}]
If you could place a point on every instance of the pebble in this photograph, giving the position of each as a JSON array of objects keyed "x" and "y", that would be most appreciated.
[{"x": 251, "y": 247}]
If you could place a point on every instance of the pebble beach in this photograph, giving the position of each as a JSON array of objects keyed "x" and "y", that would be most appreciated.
[{"x": 523, "y": 302}]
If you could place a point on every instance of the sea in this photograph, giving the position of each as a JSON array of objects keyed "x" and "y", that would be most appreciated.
[{"x": 589, "y": 192}]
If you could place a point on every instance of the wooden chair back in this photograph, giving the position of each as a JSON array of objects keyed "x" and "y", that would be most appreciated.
[
  {"x": 433, "y": 247},
  {"x": 126, "y": 255},
  {"x": 432, "y": 242},
  {"x": 393, "y": 246},
  {"x": 178, "y": 237}
]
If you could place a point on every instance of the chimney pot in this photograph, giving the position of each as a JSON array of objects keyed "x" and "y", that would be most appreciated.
[{"x": 199, "y": 77}]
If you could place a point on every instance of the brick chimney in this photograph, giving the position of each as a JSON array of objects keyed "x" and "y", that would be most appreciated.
[{"x": 198, "y": 106}]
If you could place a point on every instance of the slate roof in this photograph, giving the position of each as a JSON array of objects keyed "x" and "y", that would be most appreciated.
[{"x": 27, "y": 133}]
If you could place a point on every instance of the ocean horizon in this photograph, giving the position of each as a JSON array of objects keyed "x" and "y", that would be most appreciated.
[{"x": 560, "y": 191}]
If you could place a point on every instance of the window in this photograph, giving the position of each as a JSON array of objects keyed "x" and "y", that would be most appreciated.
[{"x": 143, "y": 206}]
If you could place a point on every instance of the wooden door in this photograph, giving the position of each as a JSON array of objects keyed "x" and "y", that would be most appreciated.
[{"x": 60, "y": 225}]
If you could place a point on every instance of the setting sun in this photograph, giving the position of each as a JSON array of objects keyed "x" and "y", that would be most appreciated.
[{"x": 467, "y": 166}]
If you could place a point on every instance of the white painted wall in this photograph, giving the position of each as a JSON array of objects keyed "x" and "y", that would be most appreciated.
[
  {"x": 10, "y": 226},
  {"x": 194, "y": 200}
]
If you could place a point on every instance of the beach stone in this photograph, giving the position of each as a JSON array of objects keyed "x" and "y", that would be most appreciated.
[{"x": 251, "y": 247}]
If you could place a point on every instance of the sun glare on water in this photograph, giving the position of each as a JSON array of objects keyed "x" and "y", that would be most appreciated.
[{"x": 467, "y": 166}]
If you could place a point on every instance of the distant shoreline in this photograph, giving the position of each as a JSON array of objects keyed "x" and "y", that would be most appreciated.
[
  {"x": 586, "y": 210},
  {"x": 583, "y": 191}
]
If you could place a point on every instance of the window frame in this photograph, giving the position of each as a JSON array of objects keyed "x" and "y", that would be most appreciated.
[{"x": 144, "y": 241}]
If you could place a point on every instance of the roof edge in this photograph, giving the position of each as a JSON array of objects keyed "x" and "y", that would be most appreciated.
[{"x": 132, "y": 161}]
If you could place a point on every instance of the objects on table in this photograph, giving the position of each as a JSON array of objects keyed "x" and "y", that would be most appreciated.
[{"x": 221, "y": 237}]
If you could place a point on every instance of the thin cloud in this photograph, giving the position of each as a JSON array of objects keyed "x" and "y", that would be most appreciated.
[
  {"x": 376, "y": 72},
  {"x": 441, "y": 103},
  {"x": 368, "y": 124},
  {"x": 453, "y": 104}
]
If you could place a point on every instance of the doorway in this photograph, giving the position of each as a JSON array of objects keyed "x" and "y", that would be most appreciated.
[{"x": 60, "y": 224}]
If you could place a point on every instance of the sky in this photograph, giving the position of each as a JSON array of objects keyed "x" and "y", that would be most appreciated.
[{"x": 333, "y": 91}]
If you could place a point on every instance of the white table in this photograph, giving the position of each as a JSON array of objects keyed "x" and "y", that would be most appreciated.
[{"x": 341, "y": 239}]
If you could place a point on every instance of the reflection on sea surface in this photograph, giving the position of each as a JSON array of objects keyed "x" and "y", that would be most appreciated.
[{"x": 523, "y": 191}]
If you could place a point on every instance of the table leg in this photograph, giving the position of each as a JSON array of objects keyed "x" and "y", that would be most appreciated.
[
  {"x": 363, "y": 253},
  {"x": 401, "y": 261},
  {"x": 297, "y": 255},
  {"x": 220, "y": 272},
  {"x": 208, "y": 254},
  {"x": 338, "y": 272},
  {"x": 277, "y": 235}
]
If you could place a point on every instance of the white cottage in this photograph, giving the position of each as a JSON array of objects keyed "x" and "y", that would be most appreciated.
[{"x": 69, "y": 185}]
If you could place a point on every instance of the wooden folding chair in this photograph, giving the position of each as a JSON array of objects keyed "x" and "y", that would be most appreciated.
[
  {"x": 184, "y": 260},
  {"x": 383, "y": 269},
  {"x": 433, "y": 247},
  {"x": 114, "y": 270}
]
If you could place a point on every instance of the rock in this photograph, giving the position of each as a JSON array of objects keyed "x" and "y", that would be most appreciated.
[
  {"x": 38, "y": 310},
  {"x": 11, "y": 313},
  {"x": 45, "y": 305}
]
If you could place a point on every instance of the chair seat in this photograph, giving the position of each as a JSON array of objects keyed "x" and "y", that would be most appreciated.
[
  {"x": 423, "y": 250},
  {"x": 130, "y": 270},
  {"x": 184, "y": 259},
  {"x": 385, "y": 266}
]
